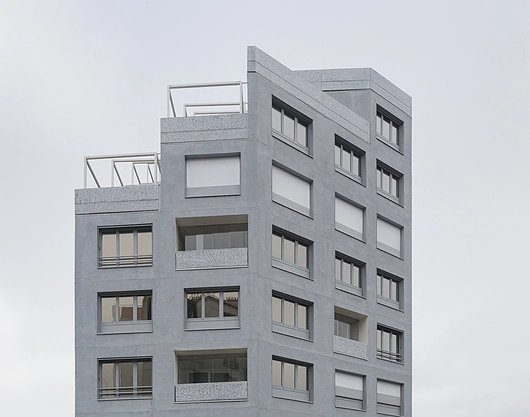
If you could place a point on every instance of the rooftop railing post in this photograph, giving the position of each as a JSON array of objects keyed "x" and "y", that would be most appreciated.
[{"x": 85, "y": 173}]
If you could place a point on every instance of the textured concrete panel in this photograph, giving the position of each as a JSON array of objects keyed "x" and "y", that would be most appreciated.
[
  {"x": 203, "y": 128},
  {"x": 349, "y": 347},
  {"x": 211, "y": 258},
  {"x": 117, "y": 199},
  {"x": 214, "y": 391}
]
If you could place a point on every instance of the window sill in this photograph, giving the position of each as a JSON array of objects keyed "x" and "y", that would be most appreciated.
[
  {"x": 392, "y": 145},
  {"x": 282, "y": 201},
  {"x": 349, "y": 403},
  {"x": 349, "y": 289},
  {"x": 389, "y": 303},
  {"x": 389, "y": 250},
  {"x": 349, "y": 175},
  {"x": 293, "y": 269},
  {"x": 350, "y": 232},
  {"x": 291, "y": 394},
  {"x": 122, "y": 328},
  {"x": 390, "y": 197},
  {"x": 291, "y": 143},
  {"x": 227, "y": 190},
  {"x": 291, "y": 331},
  {"x": 212, "y": 324}
]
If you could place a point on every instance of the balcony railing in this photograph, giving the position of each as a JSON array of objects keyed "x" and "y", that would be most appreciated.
[
  {"x": 389, "y": 356},
  {"x": 349, "y": 347},
  {"x": 231, "y": 96},
  {"x": 121, "y": 170}
]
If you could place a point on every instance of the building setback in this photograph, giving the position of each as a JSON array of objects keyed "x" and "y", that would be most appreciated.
[{"x": 262, "y": 265}]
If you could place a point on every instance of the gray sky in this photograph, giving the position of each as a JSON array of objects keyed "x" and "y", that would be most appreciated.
[{"x": 86, "y": 78}]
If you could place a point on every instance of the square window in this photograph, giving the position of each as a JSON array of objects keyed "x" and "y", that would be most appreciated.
[
  {"x": 291, "y": 316},
  {"x": 125, "y": 378},
  {"x": 388, "y": 128},
  {"x": 348, "y": 159},
  {"x": 291, "y": 191},
  {"x": 389, "y": 344},
  {"x": 349, "y": 218},
  {"x": 349, "y": 274},
  {"x": 389, "y": 290},
  {"x": 125, "y": 246},
  {"x": 389, "y": 237},
  {"x": 291, "y": 379},
  {"x": 128, "y": 312},
  {"x": 216, "y": 308},
  {"x": 290, "y": 253},
  {"x": 290, "y": 126},
  {"x": 389, "y": 183},
  {"x": 389, "y": 401},
  {"x": 349, "y": 390},
  {"x": 213, "y": 175}
]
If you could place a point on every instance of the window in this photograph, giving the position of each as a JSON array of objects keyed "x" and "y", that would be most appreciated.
[
  {"x": 290, "y": 254},
  {"x": 388, "y": 183},
  {"x": 346, "y": 327},
  {"x": 387, "y": 128},
  {"x": 290, "y": 126},
  {"x": 348, "y": 275},
  {"x": 126, "y": 246},
  {"x": 125, "y": 312},
  {"x": 349, "y": 391},
  {"x": 351, "y": 333},
  {"x": 349, "y": 218},
  {"x": 348, "y": 159},
  {"x": 389, "y": 344},
  {"x": 290, "y": 379},
  {"x": 291, "y": 191},
  {"x": 388, "y": 237},
  {"x": 216, "y": 237},
  {"x": 290, "y": 316},
  {"x": 389, "y": 398},
  {"x": 213, "y": 175},
  {"x": 211, "y": 376},
  {"x": 125, "y": 378},
  {"x": 388, "y": 290},
  {"x": 213, "y": 309}
]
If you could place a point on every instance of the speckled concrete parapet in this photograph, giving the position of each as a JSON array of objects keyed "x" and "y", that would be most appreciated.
[
  {"x": 214, "y": 391},
  {"x": 117, "y": 199},
  {"x": 349, "y": 347},
  {"x": 211, "y": 258},
  {"x": 204, "y": 128}
]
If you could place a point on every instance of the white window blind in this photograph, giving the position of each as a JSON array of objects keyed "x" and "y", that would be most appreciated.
[
  {"x": 290, "y": 190},
  {"x": 212, "y": 176},
  {"x": 388, "y": 237},
  {"x": 348, "y": 218}
]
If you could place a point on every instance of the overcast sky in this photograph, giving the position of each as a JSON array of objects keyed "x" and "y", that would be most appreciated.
[{"x": 89, "y": 77}]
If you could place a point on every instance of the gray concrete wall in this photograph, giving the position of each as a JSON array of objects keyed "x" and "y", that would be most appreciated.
[{"x": 250, "y": 135}]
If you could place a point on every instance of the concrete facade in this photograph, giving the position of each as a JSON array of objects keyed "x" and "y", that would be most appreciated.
[{"x": 336, "y": 106}]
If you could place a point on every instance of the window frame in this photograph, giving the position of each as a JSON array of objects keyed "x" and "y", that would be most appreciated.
[
  {"x": 397, "y": 302},
  {"x": 388, "y": 404},
  {"x": 134, "y": 388},
  {"x": 293, "y": 268},
  {"x": 298, "y": 119},
  {"x": 287, "y": 329},
  {"x": 285, "y": 392},
  {"x": 382, "y": 245},
  {"x": 395, "y": 125},
  {"x": 212, "y": 190},
  {"x": 286, "y": 201},
  {"x": 212, "y": 323},
  {"x": 383, "y": 169},
  {"x": 345, "y": 147},
  {"x": 128, "y": 261},
  {"x": 133, "y": 326},
  {"x": 340, "y": 284},
  {"x": 345, "y": 397},
  {"x": 395, "y": 352}
]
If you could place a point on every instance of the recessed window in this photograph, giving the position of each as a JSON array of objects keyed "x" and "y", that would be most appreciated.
[
  {"x": 290, "y": 380},
  {"x": 290, "y": 316},
  {"x": 291, "y": 191},
  {"x": 388, "y": 237},
  {"x": 125, "y": 246},
  {"x": 125, "y": 378},
  {"x": 290, "y": 253},
  {"x": 348, "y": 275},
  {"x": 349, "y": 218},
  {"x": 214, "y": 309},
  {"x": 389, "y": 398},
  {"x": 349, "y": 390},
  {"x": 389, "y": 344},
  {"x": 290, "y": 126},
  {"x": 387, "y": 128},
  {"x": 389, "y": 290},
  {"x": 351, "y": 333},
  {"x": 213, "y": 176},
  {"x": 348, "y": 159},
  {"x": 125, "y": 312},
  {"x": 389, "y": 183}
]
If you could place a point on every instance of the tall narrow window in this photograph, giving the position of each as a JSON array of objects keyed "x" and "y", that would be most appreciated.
[
  {"x": 125, "y": 246},
  {"x": 290, "y": 126},
  {"x": 349, "y": 391},
  {"x": 388, "y": 237},
  {"x": 389, "y": 398},
  {"x": 348, "y": 160},
  {"x": 291, "y": 191},
  {"x": 127, "y": 378},
  {"x": 349, "y": 218},
  {"x": 387, "y": 128},
  {"x": 290, "y": 254},
  {"x": 213, "y": 176},
  {"x": 290, "y": 380},
  {"x": 389, "y": 344}
]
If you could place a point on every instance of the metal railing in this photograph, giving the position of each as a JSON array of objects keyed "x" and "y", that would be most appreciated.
[
  {"x": 389, "y": 356},
  {"x": 126, "y": 392},
  {"x": 142, "y": 168},
  {"x": 207, "y": 108}
]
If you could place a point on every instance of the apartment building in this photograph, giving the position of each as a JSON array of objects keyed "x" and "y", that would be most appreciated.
[{"x": 259, "y": 264}]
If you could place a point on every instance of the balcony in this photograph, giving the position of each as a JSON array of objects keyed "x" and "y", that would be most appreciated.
[
  {"x": 351, "y": 333},
  {"x": 349, "y": 347}
]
